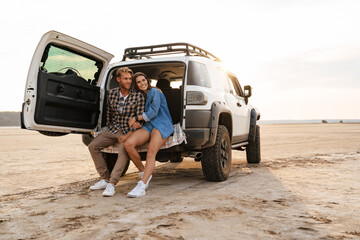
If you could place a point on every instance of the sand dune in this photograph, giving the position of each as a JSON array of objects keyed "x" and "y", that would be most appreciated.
[{"x": 306, "y": 187}]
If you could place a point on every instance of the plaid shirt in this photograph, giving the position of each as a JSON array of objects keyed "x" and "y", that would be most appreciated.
[{"x": 134, "y": 105}]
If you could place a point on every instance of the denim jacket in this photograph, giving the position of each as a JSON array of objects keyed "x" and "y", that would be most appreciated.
[{"x": 157, "y": 112}]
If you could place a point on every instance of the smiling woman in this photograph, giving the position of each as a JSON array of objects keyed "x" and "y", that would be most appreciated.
[{"x": 155, "y": 71}]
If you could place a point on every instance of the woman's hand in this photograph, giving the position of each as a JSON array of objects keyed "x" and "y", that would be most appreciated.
[
  {"x": 131, "y": 121},
  {"x": 136, "y": 125}
]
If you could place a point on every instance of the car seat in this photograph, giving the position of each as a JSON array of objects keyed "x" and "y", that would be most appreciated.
[{"x": 163, "y": 84}]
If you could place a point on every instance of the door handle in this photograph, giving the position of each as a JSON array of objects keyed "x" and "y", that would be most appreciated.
[{"x": 238, "y": 104}]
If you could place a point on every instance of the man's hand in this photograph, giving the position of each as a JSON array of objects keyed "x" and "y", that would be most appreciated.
[{"x": 122, "y": 138}]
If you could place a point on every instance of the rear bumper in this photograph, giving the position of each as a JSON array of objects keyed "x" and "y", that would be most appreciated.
[{"x": 197, "y": 137}]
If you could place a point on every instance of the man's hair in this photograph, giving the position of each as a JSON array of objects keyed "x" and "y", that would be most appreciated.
[
  {"x": 134, "y": 80},
  {"x": 124, "y": 70}
]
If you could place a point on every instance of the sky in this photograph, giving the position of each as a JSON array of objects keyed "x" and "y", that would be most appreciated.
[{"x": 301, "y": 57}]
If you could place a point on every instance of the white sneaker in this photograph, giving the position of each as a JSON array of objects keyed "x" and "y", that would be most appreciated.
[
  {"x": 138, "y": 191},
  {"x": 102, "y": 184},
  {"x": 109, "y": 191},
  {"x": 141, "y": 175},
  {"x": 148, "y": 182}
]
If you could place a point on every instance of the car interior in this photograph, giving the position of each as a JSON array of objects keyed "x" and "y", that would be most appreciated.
[{"x": 166, "y": 76}]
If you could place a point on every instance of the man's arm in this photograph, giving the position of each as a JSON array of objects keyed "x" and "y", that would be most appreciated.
[
  {"x": 108, "y": 110},
  {"x": 140, "y": 107}
]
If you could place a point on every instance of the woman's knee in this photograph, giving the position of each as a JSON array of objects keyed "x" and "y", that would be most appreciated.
[
  {"x": 151, "y": 152},
  {"x": 128, "y": 145}
]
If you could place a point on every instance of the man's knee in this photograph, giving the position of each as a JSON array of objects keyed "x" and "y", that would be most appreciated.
[
  {"x": 91, "y": 146},
  {"x": 122, "y": 154}
]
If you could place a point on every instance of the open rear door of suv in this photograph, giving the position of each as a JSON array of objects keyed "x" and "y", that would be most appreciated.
[{"x": 62, "y": 92}]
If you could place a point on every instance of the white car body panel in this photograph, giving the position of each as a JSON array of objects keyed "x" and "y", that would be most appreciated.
[{"x": 31, "y": 83}]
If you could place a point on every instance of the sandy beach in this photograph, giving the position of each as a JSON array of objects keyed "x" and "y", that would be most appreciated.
[{"x": 306, "y": 187}]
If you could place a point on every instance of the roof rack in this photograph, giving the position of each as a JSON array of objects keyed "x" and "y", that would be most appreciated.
[{"x": 164, "y": 49}]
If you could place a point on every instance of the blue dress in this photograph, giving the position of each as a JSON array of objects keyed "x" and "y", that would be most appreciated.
[{"x": 157, "y": 113}]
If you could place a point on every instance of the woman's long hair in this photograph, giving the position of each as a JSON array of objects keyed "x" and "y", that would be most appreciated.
[{"x": 135, "y": 85}]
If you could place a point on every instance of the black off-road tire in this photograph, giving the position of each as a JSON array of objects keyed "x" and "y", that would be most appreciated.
[
  {"x": 110, "y": 159},
  {"x": 53, "y": 134},
  {"x": 253, "y": 154},
  {"x": 216, "y": 160}
]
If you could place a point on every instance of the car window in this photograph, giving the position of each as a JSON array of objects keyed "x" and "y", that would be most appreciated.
[
  {"x": 198, "y": 75},
  {"x": 232, "y": 87},
  {"x": 235, "y": 85},
  {"x": 61, "y": 60},
  {"x": 221, "y": 75}
]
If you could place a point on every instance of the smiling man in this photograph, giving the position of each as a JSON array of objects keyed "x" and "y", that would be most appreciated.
[{"x": 123, "y": 103}]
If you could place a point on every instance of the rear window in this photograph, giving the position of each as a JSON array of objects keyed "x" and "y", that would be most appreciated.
[
  {"x": 57, "y": 59},
  {"x": 198, "y": 75}
]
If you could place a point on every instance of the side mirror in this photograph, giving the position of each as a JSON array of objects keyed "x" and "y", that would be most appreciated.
[{"x": 247, "y": 92}]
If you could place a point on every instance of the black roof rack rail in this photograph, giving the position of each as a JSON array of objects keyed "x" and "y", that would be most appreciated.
[{"x": 164, "y": 49}]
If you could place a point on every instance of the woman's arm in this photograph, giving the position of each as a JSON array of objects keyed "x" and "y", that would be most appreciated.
[
  {"x": 155, "y": 104},
  {"x": 152, "y": 112}
]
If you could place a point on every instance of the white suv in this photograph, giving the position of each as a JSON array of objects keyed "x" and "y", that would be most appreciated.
[{"x": 68, "y": 80}]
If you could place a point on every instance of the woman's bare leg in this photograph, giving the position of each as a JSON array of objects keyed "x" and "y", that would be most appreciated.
[
  {"x": 156, "y": 142},
  {"x": 138, "y": 138}
]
